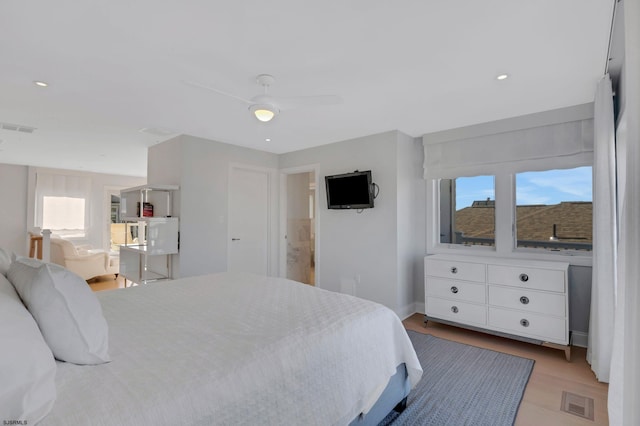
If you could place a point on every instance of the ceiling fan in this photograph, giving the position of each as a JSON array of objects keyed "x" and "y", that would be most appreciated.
[{"x": 264, "y": 106}]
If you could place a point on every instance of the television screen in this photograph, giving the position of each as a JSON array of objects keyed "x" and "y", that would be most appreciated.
[{"x": 350, "y": 190}]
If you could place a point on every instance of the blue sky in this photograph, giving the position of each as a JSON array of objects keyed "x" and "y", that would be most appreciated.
[{"x": 547, "y": 187}]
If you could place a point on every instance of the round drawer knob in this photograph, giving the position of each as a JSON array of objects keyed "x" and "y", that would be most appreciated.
[
  {"x": 524, "y": 278},
  {"x": 524, "y": 322},
  {"x": 524, "y": 300},
  {"x": 454, "y": 270},
  {"x": 454, "y": 309},
  {"x": 454, "y": 289}
]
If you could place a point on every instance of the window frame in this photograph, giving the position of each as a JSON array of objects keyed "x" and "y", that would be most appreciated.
[
  {"x": 566, "y": 252},
  {"x": 505, "y": 226},
  {"x": 452, "y": 198}
]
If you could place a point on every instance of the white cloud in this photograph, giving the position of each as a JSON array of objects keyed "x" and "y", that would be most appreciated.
[
  {"x": 529, "y": 195},
  {"x": 554, "y": 186}
]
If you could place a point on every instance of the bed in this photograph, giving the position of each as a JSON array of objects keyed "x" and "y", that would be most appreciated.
[{"x": 235, "y": 348}]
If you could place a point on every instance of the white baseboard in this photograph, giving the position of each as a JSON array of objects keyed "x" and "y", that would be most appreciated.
[
  {"x": 414, "y": 308},
  {"x": 406, "y": 311},
  {"x": 579, "y": 338}
]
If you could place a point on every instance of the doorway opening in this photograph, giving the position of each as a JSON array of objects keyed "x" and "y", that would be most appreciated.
[
  {"x": 113, "y": 231},
  {"x": 299, "y": 251}
]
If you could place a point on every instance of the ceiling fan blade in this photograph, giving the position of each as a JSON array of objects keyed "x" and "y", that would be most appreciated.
[
  {"x": 213, "y": 89},
  {"x": 307, "y": 101}
]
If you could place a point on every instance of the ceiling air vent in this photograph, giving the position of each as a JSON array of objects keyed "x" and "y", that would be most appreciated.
[
  {"x": 17, "y": 127},
  {"x": 156, "y": 131}
]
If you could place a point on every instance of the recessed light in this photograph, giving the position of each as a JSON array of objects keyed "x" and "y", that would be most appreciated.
[
  {"x": 40, "y": 83},
  {"x": 502, "y": 77},
  {"x": 267, "y": 140}
]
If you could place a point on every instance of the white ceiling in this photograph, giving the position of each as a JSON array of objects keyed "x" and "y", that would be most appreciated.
[{"x": 115, "y": 67}]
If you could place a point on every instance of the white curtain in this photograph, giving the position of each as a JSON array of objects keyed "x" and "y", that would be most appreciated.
[
  {"x": 624, "y": 386},
  {"x": 604, "y": 233},
  {"x": 616, "y": 381}
]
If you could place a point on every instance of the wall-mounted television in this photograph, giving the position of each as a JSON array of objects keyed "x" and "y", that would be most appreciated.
[{"x": 350, "y": 190}]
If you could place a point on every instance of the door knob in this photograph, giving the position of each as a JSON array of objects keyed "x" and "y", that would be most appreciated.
[{"x": 235, "y": 239}]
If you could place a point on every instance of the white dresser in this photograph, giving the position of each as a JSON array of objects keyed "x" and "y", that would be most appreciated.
[{"x": 522, "y": 299}]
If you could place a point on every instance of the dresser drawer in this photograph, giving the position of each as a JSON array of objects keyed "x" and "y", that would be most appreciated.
[
  {"x": 456, "y": 290},
  {"x": 466, "y": 313},
  {"x": 539, "y": 279},
  {"x": 459, "y": 270},
  {"x": 528, "y": 324},
  {"x": 527, "y": 300}
]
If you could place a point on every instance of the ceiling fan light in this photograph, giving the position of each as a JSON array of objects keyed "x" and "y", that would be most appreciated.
[{"x": 263, "y": 113}]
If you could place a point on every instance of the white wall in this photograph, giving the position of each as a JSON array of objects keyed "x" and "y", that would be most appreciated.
[
  {"x": 362, "y": 251},
  {"x": 411, "y": 225},
  {"x": 201, "y": 168},
  {"x": 13, "y": 208}
]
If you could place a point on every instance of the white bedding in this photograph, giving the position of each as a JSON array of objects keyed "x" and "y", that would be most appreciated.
[{"x": 235, "y": 349}]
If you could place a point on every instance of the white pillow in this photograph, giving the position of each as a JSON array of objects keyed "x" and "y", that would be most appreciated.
[
  {"x": 5, "y": 261},
  {"x": 66, "y": 310},
  {"x": 27, "y": 367}
]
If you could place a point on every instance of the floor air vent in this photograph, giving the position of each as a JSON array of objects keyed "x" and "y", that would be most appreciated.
[{"x": 577, "y": 405}]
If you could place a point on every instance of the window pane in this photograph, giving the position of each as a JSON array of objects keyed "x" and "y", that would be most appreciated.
[
  {"x": 554, "y": 209},
  {"x": 63, "y": 214},
  {"x": 467, "y": 211}
]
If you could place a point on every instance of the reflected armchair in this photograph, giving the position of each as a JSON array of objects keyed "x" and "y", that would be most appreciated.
[{"x": 86, "y": 263}]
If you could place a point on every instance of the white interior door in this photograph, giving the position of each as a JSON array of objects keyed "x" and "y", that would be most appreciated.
[{"x": 248, "y": 245}]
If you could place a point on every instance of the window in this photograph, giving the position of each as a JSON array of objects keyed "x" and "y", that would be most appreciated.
[
  {"x": 62, "y": 204},
  {"x": 467, "y": 211},
  {"x": 551, "y": 210},
  {"x": 554, "y": 209},
  {"x": 531, "y": 157}
]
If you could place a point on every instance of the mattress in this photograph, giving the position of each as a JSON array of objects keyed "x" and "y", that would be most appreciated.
[{"x": 235, "y": 348}]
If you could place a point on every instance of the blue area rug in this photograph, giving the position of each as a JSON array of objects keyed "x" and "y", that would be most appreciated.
[{"x": 463, "y": 385}]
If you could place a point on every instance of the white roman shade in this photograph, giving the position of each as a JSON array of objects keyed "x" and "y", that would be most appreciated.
[
  {"x": 66, "y": 199},
  {"x": 513, "y": 145}
]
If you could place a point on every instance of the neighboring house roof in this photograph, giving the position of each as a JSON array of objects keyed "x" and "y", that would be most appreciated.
[
  {"x": 573, "y": 220},
  {"x": 478, "y": 220}
]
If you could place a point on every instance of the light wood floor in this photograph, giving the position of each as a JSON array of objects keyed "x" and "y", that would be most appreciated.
[
  {"x": 107, "y": 282},
  {"x": 551, "y": 374}
]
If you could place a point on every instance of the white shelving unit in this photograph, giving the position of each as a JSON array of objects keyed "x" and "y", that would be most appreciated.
[{"x": 150, "y": 208}]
